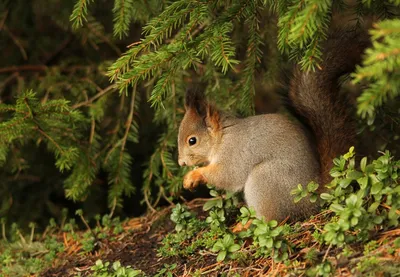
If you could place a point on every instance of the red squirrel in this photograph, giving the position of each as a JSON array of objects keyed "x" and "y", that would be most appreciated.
[{"x": 268, "y": 155}]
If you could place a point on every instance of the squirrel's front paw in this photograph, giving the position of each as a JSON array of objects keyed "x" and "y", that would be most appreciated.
[{"x": 192, "y": 179}]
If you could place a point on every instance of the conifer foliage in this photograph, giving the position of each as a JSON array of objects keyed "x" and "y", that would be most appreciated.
[{"x": 229, "y": 47}]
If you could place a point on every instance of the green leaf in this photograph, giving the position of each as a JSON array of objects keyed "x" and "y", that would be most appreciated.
[
  {"x": 218, "y": 246},
  {"x": 378, "y": 220},
  {"x": 344, "y": 183},
  {"x": 273, "y": 223},
  {"x": 214, "y": 193},
  {"x": 329, "y": 236},
  {"x": 335, "y": 173},
  {"x": 352, "y": 200},
  {"x": 373, "y": 207},
  {"x": 363, "y": 181},
  {"x": 376, "y": 188},
  {"x": 178, "y": 227},
  {"x": 278, "y": 244},
  {"x": 363, "y": 164},
  {"x": 349, "y": 154},
  {"x": 221, "y": 256},
  {"x": 313, "y": 198},
  {"x": 209, "y": 205},
  {"x": 393, "y": 213},
  {"x": 269, "y": 243},
  {"x": 354, "y": 221},
  {"x": 327, "y": 196},
  {"x": 227, "y": 240},
  {"x": 297, "y": 199},
  {"x": 244, "y": 211},
  {"x": 337, "y": 208},
  {"x": 233, "y": 248},
  {"x": 312, "y": 186},
  {"x": 357, "y": 213},
  {"x": 354, "y": 175}
]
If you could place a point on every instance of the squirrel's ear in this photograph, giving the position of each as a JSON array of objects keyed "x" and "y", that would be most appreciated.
[
  {"x": 195, "y": 100},
  {"x": 213, "y": 119}
]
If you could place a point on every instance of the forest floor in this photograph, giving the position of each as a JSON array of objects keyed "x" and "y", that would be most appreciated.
[
  {"x": 138, "y": 246},
  {"x": 150, "y": 246}
]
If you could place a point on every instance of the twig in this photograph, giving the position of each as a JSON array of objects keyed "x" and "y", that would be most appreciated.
[
  {"x": 3, "y": 231},
  {"x": 98, "y": 95},
  {"x": 134, "y": 43},
  {"x": 50, "y": 138},
  {"x": 116, "y": 129},
  {"x": 16, "y": 42},
  {"x": 146, "y": 199},
  {"x": 158, "y": 198},
  {"x": 8, "y": 80},
  {"x": 3, "y": 19},
  {"x": 21, "y": 237},
  {"x": 87, "y": 225},
  {"x": 327, "y": 252},
  {"x": 86, "y": 79},
  {"x": 215, "y": 266},
  {"x": 113, "y": 207},
  {"x": 105, "y": 39},
  {"x": 165, "y": 196},
  {"x": 128, "y": 124},
  {"x": 92, "y": 130},
  {"x": 41, "y": 67},
  {"x": 32, "y": 234},
  {"x": 27, "y": 67},
  {"x": 388, "y": 207},
  {"x": 58, "y": 50}
]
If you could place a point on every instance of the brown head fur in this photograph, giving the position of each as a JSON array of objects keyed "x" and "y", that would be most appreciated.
[{"x": 199, "y": 130}]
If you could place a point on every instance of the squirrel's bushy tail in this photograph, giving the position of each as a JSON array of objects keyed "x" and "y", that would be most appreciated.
[{"x": 315, "y": 97}]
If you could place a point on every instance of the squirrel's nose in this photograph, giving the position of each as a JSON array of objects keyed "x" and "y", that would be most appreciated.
[{"x": 181, "y": 162}]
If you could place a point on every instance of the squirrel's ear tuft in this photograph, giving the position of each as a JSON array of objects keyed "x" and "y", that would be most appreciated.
[
  {"x": 213, "y": 119},
  {"x": 196, "y": 100}
]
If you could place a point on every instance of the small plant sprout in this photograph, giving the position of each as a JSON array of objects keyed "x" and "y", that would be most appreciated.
[
  {"x": 101, "y": 269},
  {"x": 310, "y": 190},
  {"x": 225, "y": 247},
  {"x": 247, "y": 214},
  {"x": 216, "y": 219},
  {"x": 221, "y": 200},
  {"x": 179, "y": 216},
  {"x": 269, "y": 239},
  {"x": 32, "y": 226}
]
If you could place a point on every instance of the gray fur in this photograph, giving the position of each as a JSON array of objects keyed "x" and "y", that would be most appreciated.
[{"x": 264, "y": 155}]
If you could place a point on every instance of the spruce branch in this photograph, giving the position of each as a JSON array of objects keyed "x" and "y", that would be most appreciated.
[
  {"x": 156, "y": 31},
  {"x": 302, "y": 28},
  {"x": 380, "y": 68},
  {"x": 146, "y": 66},
  {"x": 285, "y": 25},
  {"x": 123, "y": 15},
  {"x": 253, "y": 58},
  {"x": 79, "y": 13}
]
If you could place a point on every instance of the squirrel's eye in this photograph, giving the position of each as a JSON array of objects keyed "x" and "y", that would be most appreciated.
[{"x": 192, "y": 141}]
